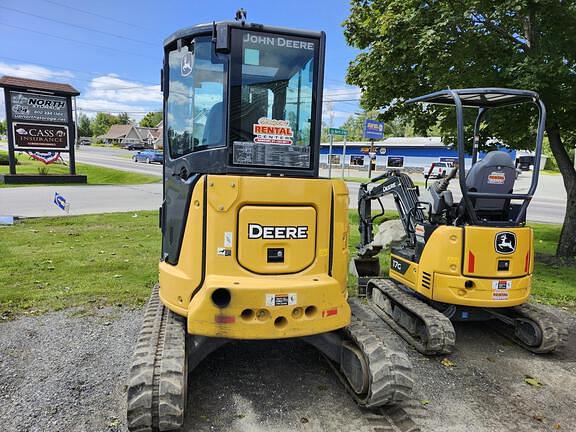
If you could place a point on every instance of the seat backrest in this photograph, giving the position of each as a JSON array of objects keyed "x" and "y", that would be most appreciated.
[{"x": 495, "y": 173}]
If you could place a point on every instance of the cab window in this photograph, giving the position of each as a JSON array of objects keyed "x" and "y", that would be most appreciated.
[
  {"x": 195, "y": 106},
  {"x": 272, "y": 99}
]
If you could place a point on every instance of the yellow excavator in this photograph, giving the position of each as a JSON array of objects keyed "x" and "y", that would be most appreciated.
[
  {"x": 254, "y": 242},
  {"x": 463, "y": 260}
]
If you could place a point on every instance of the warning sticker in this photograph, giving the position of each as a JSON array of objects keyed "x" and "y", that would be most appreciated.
[
  {"x": 419, "y": 230},
  {"x": 281, "y": 299},
  {"x": 249, "y": 153},
  {"x": 228, "y": 239},
  {"x": 499, "y": 285},
  {"x": 496, "y": 177},
  {"x": 224, "y": 251},
  {"x": 270, "y": 131}
]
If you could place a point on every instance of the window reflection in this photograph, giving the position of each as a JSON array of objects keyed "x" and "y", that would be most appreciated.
[{"x": 195, "y": 106}]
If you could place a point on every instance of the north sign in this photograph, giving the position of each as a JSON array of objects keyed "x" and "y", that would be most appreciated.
[{"x": 38, "y": 108}]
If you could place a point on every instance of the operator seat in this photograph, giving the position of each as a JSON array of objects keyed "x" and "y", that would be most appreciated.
[
  {"x": 213, "y": 128},
  {"x": 495, "y": 173}
]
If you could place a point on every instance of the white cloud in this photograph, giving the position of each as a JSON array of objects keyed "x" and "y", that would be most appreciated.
[
  {"x": 109, "y": 93},
  {"x": 33, "y": 72}
]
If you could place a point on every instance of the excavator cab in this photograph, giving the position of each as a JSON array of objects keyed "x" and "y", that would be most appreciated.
[
  {"x": 463, "y": 259},
  {"x": 254, "y": 242}
]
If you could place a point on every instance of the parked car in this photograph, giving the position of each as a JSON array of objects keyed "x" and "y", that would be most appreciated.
[
  {"x": 85, "y": 141},
  {"x": 135, "y": 147},
  {"x": 149, "y": 156},
  {"x": 437, "y": 170}
]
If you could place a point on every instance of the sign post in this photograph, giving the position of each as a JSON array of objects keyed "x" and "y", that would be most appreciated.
[
  {"x": 332, "y": 132},
  {"x": 39, "y": 119},
  {"x": 373, "y": 130}
]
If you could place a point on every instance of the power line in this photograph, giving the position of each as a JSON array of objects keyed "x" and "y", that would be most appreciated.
[
  {"x": 78, "y": 26},
  {"x": 96, "y": 15},
  {"x": 98, "y": 74},
  {"x": 76, "y": 40}
]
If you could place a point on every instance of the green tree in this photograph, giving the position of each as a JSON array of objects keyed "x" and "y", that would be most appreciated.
[
  {"x": 84, "y": 126},
  {"x": 102, "y": 123},
  {"x": 3, "y": 127},
  {"x": 412, "y": 47},
  {"x": 123, "y": 118},
  {"x": 151, "y": 119}
]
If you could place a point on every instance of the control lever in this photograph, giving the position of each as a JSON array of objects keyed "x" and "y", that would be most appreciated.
[
  {"x": 442, "y": 185},
  {"x": 183, "y": 173}
]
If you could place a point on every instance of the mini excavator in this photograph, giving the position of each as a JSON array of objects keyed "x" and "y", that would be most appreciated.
[
  {"x": 463, "y": 260},
  {"x": 254, "y": 243}
]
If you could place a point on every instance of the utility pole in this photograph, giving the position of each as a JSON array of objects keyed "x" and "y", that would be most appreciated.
[
  {"x": 344, "y": 155},
  {"x": 330, "y": 156},
  {"x": 371, "y": 156}
]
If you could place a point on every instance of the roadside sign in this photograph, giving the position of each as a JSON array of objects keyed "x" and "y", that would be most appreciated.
[
  {"x": 37, "y": 136},
  {"x": 337, "y": 131},
  {"x": 39, "y": 108},
  {"x": 373, "y": 129},
  {"x": 60, "y": 202}
]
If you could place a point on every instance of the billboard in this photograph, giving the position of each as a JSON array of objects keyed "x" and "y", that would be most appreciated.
[
  {"x": 35, "y": 136},
  {"x": 38, "y": 108}
]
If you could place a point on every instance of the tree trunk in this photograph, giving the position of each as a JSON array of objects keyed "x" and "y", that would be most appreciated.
[{"x": 567, "y": 243}]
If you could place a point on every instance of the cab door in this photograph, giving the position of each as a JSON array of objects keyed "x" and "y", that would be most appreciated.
[{"x": 194, "y": 131}]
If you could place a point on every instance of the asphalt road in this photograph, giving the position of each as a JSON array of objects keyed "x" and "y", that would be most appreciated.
[{"x": 548, "y": 204}]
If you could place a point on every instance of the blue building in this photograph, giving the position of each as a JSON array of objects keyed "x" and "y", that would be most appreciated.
[{"x": 395, "y": 152}]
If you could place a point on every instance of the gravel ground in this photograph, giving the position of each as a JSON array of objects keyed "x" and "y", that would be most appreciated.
[{"x": 64, "y": 372}]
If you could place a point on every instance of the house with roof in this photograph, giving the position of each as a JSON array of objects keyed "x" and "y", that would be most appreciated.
[{"x": 130, "y": 134}]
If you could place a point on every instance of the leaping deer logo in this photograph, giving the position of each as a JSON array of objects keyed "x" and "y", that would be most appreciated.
[{"x": 505, "y": 242}]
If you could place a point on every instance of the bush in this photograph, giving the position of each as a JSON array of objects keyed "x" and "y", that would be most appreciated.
[
  {"x": 4, "y": 160},
  {"x": 551, "y": 164}
]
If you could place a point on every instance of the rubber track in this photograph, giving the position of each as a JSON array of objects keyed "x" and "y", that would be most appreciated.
[
  {"x": 554, "y": 332},
  {"x": 391, "y": 419},
  {"x": 441, "y": 336},
  {"x": 157, "y": 381},
  {"x": 390, "y": 368}
]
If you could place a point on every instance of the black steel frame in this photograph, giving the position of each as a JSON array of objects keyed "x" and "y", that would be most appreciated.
[{"x": 507, "y": 97}]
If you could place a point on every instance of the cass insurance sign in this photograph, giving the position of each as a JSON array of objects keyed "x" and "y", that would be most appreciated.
[
  {"x": 30, "y": 136},
  {"x": 38, "y": 108}
]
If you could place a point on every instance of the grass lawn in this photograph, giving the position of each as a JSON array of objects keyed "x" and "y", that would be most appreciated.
[
  {"x": 53, "y": 263},
  {"x": 87, "y": 261},
  {"x": 96, "y": 175}
]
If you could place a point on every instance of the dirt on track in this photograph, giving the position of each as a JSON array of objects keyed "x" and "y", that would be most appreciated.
[{"x": 63, "y": 372}]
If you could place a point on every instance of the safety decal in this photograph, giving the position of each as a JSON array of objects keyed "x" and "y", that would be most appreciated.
[
  {"x": 228, "y": 239},
  {"x": 281, "y": 299},
  {"x": 270, "y": 131},
  {"x": 329, "y": 312},
  {"x": 496, "y": 178},
  {"x": 499, "y": 285},
  {"x": 419, "y": 230},
  {"x": 224, "y": 251}
]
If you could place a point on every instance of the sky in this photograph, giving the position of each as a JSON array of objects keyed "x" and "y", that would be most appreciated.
[{"x": 111, "y": 50}]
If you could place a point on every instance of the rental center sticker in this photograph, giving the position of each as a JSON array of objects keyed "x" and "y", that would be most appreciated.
[{"x": 270, "y": 131}]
